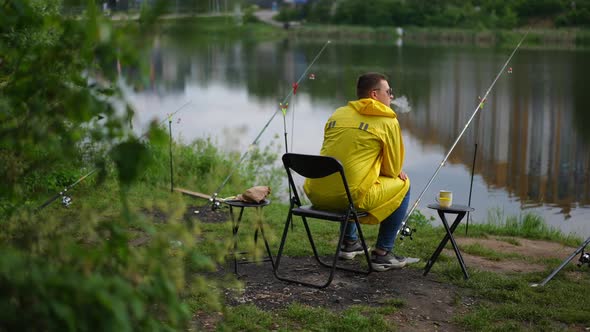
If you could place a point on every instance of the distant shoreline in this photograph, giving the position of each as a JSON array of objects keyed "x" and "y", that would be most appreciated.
[
  {"x": 542, "y": 38},
  {"x": 573, "y": 38}
]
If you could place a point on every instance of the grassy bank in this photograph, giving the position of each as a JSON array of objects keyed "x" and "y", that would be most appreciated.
[
  {"x": 159, "y": 221},
  {"x": 537, "y": 38},
  {"x": 228, "y": 28}
]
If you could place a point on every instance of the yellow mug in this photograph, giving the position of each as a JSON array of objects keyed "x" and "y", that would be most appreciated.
[{"x": 445, "y": 198}]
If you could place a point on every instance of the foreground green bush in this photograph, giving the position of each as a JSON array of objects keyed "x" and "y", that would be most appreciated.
[{"x": 105, "y": 263}]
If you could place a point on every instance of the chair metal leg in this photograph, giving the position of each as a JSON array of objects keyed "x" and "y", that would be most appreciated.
[
  {"x": 332, "y": 266},
  {"x": 282, "y": 244},
  {"x": 310, "y": 238},
  {"x": 361, "y": 236},
  {"x": 366, "y": 252},
  {"x": 280, "y": 254}
]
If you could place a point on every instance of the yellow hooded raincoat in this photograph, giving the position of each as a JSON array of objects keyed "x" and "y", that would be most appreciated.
[{"x": 366, "y": 138}]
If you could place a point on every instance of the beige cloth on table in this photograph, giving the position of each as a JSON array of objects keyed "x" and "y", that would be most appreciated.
[{"x": 255, "y": 194}]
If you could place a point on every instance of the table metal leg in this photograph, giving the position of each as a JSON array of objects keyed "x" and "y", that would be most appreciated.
[
  {"x": 455, "y": 246},
  {"x": 443, "y": 243},
  {"x": 267, "y": 246},
  {"x": 235, "y": 228}
]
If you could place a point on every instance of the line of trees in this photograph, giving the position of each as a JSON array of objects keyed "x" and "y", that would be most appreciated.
[
  {"x": 479, "y": 14},
  {"x": 190, "y": 6}
]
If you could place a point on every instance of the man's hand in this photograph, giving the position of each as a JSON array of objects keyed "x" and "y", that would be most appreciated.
[{"x": 403, "y": 175}]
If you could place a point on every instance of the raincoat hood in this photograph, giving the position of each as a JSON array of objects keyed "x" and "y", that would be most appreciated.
[{"x": 370, "y": 106}]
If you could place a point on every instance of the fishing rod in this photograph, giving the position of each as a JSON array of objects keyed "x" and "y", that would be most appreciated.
[
  {"x": 584, "y": 259},
  {"x": 67, "y": 200},
  {"x": 404, "y": 229},
  {"x": 170, "y": 150},
  {"x": 283, "y": 108},
  {"x": 471, "y": 188},
  {"x": 170, "y": 141}
]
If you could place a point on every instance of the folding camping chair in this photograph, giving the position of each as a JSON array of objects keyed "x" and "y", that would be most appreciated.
[{"x": 314, "y": 167}]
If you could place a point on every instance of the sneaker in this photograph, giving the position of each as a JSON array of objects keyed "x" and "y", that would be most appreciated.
[
  {"x": 411, "y": 260},
  {"x": 349, "y": 250},
  {"x": 387, "y": 262}
]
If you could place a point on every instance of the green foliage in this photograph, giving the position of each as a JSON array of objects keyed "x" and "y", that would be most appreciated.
[
  {"x": 102, "y": 266},
  {"x": 249, "y": 16},
  {"x": 538, "y": 8},
  {"x": 87, "y": 276},
  {"x": 202, "y": 166},
  {"x": 289, "y": 14},
  {"x": 486, "y": 14},
  {"x": 577, "y": 16},
  {"x": 52, "y": 87},
  {"x": 130, "y": 150},
  {"x": 320, "y": 11}
]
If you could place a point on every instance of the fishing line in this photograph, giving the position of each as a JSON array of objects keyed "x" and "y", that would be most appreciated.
[
  {"x": 295, "y": 86},
  {"x": 406, "y": 231},
  {"x": 471, "y": 188},
  {"x": 292, "y": 123},
  {"x": 283, "y": 108},
  {"x": 170, "y": 151},
  {"x": 66, "y": 200}
]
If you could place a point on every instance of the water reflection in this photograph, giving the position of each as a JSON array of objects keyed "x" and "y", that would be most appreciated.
[
  {"x": 533, "y": 151},
  {"x": 529, "y": 143}
]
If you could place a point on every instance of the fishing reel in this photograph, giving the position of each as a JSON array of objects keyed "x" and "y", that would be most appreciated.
[
  {"x": 66, "y": 201},
  {"x": 407, "y": 231},
  {"x": 584, "y": 259},
  {"x": 215, "y": 204}
]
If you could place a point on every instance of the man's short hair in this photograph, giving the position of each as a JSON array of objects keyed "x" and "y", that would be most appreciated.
[{"x": 367, "y": 83}]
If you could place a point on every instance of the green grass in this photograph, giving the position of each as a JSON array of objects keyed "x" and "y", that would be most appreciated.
[
  {"x": 507, "y": 302},
  {"x": 510, "y": 240},
  {"x": 527, "y": 225},
  {"x": 502, "y": 302},
  {"x": 297, "y": 317},
  {"x": 481, "y": 251}
]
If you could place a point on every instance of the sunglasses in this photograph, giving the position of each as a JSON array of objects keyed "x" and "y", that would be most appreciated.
[{"x": 389, "y": 91}]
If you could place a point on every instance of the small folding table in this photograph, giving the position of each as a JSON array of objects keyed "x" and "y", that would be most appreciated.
[
  {"x": 236, "y": 226},
  {"x": 460, "y": 211}
]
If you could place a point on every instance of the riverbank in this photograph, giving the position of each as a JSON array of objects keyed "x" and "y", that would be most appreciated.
[
  {"x": 183, "y": 235},
  {"x": 210, "y": 26},
  {"x": 538, "y": 38}
]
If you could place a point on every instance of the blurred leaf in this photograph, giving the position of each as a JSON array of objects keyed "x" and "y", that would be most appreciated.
[
  {"x": 157, "y": 134},
  {"x": 130, "y": 158}
]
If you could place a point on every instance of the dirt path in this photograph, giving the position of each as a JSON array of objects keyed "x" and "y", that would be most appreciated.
[{"x": 427, "y": 304}]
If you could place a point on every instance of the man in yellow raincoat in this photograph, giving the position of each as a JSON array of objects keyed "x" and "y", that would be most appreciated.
[{"x": 365, "y": 137}]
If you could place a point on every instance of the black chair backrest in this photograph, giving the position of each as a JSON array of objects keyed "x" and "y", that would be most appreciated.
[{"x": 311, "y": 166}]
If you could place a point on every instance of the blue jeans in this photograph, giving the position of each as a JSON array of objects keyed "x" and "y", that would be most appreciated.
[{"x": 388, "y": 228}]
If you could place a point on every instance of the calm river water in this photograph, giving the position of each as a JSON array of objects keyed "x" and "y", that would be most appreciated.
[{"x": 533, "y": 134}]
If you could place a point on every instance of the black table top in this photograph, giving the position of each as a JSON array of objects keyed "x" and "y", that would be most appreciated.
[
  {"x": 242, "y": 204},
  {"x": 455, "y": 208}
]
